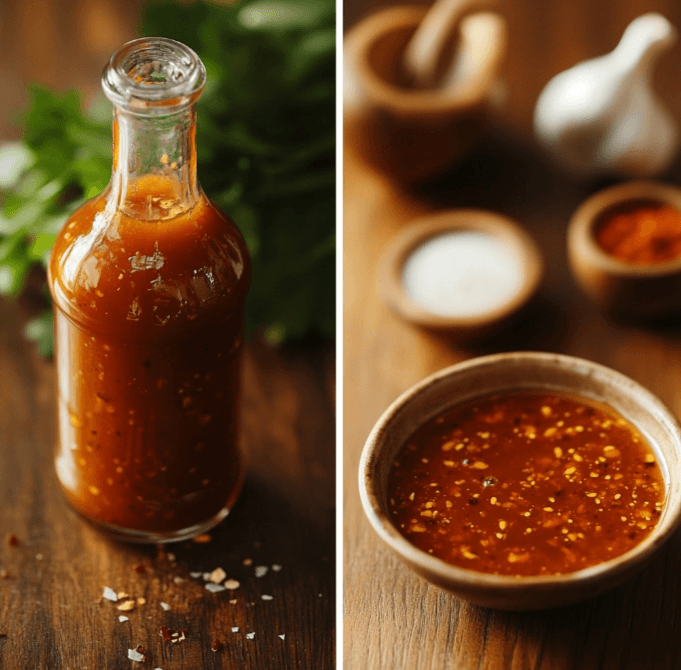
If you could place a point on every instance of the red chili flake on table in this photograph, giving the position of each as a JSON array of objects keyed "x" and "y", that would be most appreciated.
[
  {"x": 13, "y": 540},
  {"x": 139, "y": 569},
  {"x": 216, "y": 646},
  {"x": 526, "y": 484}
]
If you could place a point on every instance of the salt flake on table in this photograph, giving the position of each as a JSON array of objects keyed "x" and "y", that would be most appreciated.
[
  {"x": 217, "y": 575},
  {"x": 266, "y": 597},
  {"x": 232, "y": 584},
  {"x": 123, "y": 618},
  {"x": 235, "y": 629},
  {"x": 110, "y": 594},
  {"x": 250, "y": 636},
  {"x": 165, "y": 606},
  {"x": 214, "y": 588},
  {"x": 195, "y": 575},
  {"x": 276, "y": 567},
  {"x": 261, "y": 570},
  {"x": 282, "y": 636},
  {"x": 134, "y": 655}
]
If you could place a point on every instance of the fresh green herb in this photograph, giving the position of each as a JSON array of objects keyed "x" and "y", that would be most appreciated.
[{"x": 266, "y": 148}]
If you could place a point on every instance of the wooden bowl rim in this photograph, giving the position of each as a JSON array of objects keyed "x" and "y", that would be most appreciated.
[
  {"x": 580, "y": 234},
  {"x": 497, "y": 226},
  {"x": 495, "y": 586}
]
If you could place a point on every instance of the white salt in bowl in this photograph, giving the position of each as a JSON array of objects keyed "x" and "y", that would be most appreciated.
[{"x": 465, "y": 271}]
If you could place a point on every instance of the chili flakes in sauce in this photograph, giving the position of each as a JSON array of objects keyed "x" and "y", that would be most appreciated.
[{"x": 526, "y": 484}]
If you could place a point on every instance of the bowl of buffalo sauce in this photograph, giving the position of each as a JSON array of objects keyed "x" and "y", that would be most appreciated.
[
  {"x": 624, "y": 248},
  {"x": 524, "y": 481}
]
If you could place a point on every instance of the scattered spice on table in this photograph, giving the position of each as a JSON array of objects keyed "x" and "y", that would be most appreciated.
[
  {"x": 110, "y": 594},
  {"x": 643, "y": 233},
  {"x": 135, "y": 655},
  {"x": 217, "y": 576},
  {"x": 526, "y": 484}
]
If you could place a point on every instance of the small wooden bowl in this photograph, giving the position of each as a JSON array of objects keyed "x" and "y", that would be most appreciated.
[
  {"x": 412, "y": 134},
  {"x": 501, "y": 229},
  {"x": 509, "y": 372},
  {"x": 616, "y": 286}
]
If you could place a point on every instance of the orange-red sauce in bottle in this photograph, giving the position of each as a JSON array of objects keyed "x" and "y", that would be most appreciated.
[{"x": 149, "y": 281}]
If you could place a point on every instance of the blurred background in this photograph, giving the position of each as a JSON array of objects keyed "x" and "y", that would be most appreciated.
[
  {"x": 546, "y": 38},
  {"x": 266, "y": 137},
  {"x": 57, "y": 44}
]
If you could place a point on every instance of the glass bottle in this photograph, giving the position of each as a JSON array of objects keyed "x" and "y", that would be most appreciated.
[{"x": 149, "y": 281}]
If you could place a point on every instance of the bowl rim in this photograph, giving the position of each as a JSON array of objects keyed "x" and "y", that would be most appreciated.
[
  {"x": 580, "y": 232},
  {"x": 420, "y": 230},
  {"x": 451, "y": 574}
]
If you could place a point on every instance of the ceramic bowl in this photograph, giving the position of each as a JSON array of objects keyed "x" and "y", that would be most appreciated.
[
  {"x": 616, "y": 286},
  {"x": 517, "y": 371},
  {"x": 500, "y": 229},
  {"x": 412, "y": 134}
]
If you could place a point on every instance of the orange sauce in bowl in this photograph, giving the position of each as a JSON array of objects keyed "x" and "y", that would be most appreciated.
[{"x": 526, "y": 484}]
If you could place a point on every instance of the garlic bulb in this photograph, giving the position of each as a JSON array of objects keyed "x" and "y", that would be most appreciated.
[{"x": 602, "y": 116}]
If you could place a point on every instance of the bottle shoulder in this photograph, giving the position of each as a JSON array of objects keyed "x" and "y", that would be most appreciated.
[{"x": 114, "y": 272}]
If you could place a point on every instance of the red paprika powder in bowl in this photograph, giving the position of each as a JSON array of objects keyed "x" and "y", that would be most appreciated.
[{"x": 624, "y": 248}]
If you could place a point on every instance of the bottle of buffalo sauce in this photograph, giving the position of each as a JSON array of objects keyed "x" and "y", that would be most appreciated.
[{"x": 149, "y": 281}]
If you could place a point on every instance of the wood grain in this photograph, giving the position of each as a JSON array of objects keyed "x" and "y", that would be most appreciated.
[
  {"x": 393, "y": 619},
  {"x": 51, "y": 610}
]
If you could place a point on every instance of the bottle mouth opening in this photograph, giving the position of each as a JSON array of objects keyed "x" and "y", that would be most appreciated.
[{"x": 153, "y": 75}]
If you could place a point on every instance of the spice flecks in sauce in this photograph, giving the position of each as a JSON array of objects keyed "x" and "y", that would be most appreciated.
[
  {"x": 147, "y": 372},
  {"x": 565, "y": 485}
]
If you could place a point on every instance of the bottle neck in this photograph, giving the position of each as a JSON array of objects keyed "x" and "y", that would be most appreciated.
[{"x": 154, "y": 163}]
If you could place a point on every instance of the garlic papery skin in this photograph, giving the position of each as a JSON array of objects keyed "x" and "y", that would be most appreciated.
[{"x": 602, "y": 117}]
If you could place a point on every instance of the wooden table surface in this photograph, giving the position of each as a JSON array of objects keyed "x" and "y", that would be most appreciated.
[
  {"x": 52, "y": 615},
  {"x": 393, "y": 620}
]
